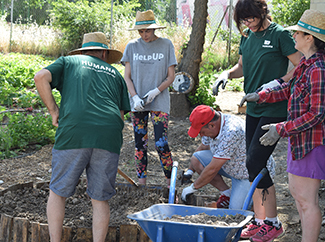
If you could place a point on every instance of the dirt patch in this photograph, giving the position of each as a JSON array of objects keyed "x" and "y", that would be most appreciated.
[
  {"x": 31, "y": 202},
  {"x": 36, "y": 167}
]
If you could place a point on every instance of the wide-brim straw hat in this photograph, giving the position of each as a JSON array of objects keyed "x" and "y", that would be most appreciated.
[
  {"x": 98, "y": 41},
  {"x": 311, "y": 22},
  {"x": 146, "y": 20}
]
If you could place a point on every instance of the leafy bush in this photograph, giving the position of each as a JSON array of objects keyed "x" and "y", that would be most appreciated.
[
  {"x": 24, "y": 129},
  {"x": 288, "y": 12},
  {"x": 19, "y": 130},
  {"x": 75, "y": 19},
  {"x": 203, "y": 94},
  {"x": 17, "y": 87}
]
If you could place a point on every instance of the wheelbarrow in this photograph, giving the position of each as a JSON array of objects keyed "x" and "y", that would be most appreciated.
[{"x": 151, "y": 220}]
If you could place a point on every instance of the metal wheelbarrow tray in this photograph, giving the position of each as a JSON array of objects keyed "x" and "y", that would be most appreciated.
[{"x": 152, "y": 220}]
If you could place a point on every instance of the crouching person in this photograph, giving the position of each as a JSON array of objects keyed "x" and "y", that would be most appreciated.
[
  {"x": 222, "y": 153},
  {"x": 90, "y": 123}
]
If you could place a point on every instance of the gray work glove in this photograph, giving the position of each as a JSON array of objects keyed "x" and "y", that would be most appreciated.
[
  {"x": 270, "y": 84},
  {"x": 150, "y": 96},
  {"x": 138, "y": 103},
  {"x": 270, "y": 137},
  {"x": 187, "y": 191},
  {"x": 250, "y": 97},
  {"x": 222, "y": 79}
]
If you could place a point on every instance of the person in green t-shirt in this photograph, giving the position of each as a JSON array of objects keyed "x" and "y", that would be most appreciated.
[
  {"x": 265, "y": 49},
  {"x": 90, "y": 121}
]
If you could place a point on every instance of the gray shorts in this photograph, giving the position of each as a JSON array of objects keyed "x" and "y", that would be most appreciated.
[{"x": 101, "y": 168}]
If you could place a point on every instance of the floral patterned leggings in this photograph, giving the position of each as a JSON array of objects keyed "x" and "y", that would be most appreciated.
[{"x": 140, "y": 126}]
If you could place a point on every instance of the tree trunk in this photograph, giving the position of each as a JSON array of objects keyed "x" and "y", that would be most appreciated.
[{"x": 191, "y": 60}]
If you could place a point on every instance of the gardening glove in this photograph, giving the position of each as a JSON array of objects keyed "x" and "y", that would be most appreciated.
[
  {"x": 250, "y": 97},
  {"x": 150, "y": 96},
  {"x": 188, "y": 191},
  {"x": 271, "y": 84},
  {"x": 222, "y": 79},
  {"x": 271, "y": 136},
  {"x": 138, "y": 103}
]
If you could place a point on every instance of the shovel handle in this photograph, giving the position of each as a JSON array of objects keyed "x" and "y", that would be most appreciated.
[{"x": 126, "y": 177}]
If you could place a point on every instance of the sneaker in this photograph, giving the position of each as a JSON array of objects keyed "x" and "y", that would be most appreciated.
[
  {"x": 223, "y": 201},
  {"x": 185, "y": 179},
  {"x": 250, "y": 230},
  {"x": 267, "y": 232}
]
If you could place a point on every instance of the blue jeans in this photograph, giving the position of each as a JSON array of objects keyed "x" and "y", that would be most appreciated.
[{"x": 239, "y": 187}]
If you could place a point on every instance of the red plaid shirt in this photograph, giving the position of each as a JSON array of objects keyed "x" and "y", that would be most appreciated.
[{"x": 306, "y": 107}]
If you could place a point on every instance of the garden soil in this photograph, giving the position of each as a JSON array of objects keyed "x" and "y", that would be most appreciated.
[{"x": 36, "y": 167}]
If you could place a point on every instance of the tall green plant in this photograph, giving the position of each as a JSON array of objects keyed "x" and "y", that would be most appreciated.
[
  {"x": 75, "y": 19},
  {"x": 288, "y": 12}
]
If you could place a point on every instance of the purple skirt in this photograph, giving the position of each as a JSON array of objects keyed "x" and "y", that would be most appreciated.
[{"x": 312, "y": 165}]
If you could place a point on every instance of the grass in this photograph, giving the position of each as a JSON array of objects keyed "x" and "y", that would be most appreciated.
[{"x": 43, "y": 40}]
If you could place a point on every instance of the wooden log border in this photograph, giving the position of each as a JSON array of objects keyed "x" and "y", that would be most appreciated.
[{"x": 13, "y": 229}]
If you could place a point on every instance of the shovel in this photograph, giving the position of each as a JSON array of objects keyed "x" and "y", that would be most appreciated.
[{"x": 127, "y": 178}]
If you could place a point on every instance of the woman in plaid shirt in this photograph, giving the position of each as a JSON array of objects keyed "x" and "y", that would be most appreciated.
[{"x": 305, "y": 124}]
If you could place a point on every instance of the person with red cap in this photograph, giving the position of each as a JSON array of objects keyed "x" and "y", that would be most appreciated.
[{"x": 222, "y": 153}]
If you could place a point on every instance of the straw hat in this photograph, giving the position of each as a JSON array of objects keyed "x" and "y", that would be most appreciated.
[
  {"x": 311, "y": 22},
  {"x": 98, "y": 41},
  {"x": 146, "y": 20}
]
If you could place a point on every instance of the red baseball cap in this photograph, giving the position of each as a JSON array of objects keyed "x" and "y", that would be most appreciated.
[{"x": 200, "y": 116}]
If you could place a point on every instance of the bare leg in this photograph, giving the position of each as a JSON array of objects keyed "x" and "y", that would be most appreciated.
[
  {"x": 55, "y": 215},
  {"x": 217, "y": 181},
  {"x": 305, "y": 192},
  {"x": 265, "y": 207},
  {"x": 101, "y": 214},
  {"x": 142, "y": 181}
]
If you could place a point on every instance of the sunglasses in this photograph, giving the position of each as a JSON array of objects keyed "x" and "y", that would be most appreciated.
[{"x": 247, "y": 20}]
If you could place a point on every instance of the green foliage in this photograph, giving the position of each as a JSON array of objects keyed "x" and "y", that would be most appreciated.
[
  {"x": 23, "y": 130},
  {"x": 17, "y": 90},
  {"x": 235, "y": 85},
  {"x": 75, "y": 19},
  {"x": 17, "y": 87},
  {"x": 288, "y": 12},
  {"x": 203, "y": 93}
]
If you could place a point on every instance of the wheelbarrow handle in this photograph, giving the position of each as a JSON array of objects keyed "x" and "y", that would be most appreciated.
[
  {"x": 173, "y": 183},
  {"x": 249, "y": 197}
]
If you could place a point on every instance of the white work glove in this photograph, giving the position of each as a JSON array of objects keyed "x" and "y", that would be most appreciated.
[
  {"x": 138, "y": 103},
  {"x": 270, "y": 84},
  {"x": 250, "y": 97},
  {"x": 187, "y": 191},
  {"x": 222, "y": 79},
  {"x": 150, "y": 96},
  {"x": 270, "y": 137}
]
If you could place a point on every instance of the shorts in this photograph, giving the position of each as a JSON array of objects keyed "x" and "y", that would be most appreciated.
[
  {"x": 101, "y": 168},
  {"x": 311, "y": 166}
]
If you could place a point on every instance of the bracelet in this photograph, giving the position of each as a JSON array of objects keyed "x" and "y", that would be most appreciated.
[{"x": 280, "y": 80}]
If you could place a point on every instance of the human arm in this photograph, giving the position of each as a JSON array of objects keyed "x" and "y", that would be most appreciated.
[
  {"x": 202, "y": 147},
  {"x": 137, "y": 101},
  {"x": 235, "y": 72},
  {"x": 307, "y": 103},
  {"x": 122, "y": 114},
  {"x": 165, "y": 84},
  {"x": 209, "y": 172},
  {"x": 42, "y": 79}
]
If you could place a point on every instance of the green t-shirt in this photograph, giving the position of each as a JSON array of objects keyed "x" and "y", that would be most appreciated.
[
  {"x": 264, "y": 56},
  {"x": 92, "y": 95}
]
